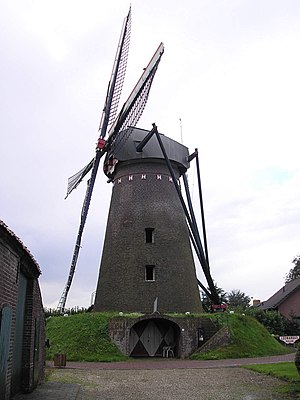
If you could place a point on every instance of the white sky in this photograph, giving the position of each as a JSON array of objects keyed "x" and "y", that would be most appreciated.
[{"x": 231, "y": 73}]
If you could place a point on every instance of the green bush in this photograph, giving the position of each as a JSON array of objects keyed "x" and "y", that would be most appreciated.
[
  {"x": 271, "y": 320},
  {"x": 297, "y": 359},
  {"x": 276, "y": 323}
]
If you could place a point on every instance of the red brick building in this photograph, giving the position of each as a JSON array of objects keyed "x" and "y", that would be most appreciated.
[
  {"x": 22, "y": 326},
  {"x": 286, "y": 300}
]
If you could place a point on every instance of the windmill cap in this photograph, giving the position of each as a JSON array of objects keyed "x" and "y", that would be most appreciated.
[{"x": 126, "y": 150}]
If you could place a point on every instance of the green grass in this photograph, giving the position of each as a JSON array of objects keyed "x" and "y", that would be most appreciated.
[
  {"x": 286, "y": 371},
  {"x": 83, "y": 337},
  {"x": 248, "y": 338},
  {"x": 283, "y": 370}
]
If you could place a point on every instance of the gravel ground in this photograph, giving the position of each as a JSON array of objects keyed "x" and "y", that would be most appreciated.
[{"x": 176, "y": 384}]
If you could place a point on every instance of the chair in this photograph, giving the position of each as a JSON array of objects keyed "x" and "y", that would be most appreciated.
[{"x": 168, "y": 351}]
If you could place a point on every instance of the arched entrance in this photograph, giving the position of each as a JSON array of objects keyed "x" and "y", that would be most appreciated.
[{"x": 149, "y": 336}]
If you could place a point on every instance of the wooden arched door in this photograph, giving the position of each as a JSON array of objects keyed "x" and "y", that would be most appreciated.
[{"x": 149, "y": 337}]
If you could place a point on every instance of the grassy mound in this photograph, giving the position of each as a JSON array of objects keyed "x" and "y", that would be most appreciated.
[
  {"x": 83, "y": 337},
  {"x": 248, "y": 339}
]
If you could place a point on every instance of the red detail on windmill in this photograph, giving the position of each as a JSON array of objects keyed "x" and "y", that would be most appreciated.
[
  {"x": 101, "y": 143},
  {"x": 219, "y": 307}
]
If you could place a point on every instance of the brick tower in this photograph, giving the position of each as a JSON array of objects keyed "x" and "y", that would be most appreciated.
[{"x": 147, "y": 253}]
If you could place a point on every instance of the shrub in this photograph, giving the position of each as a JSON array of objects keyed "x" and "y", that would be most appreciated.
[
  {"x": 297, "y": 359},
  {"x": 272, "y": 320}
]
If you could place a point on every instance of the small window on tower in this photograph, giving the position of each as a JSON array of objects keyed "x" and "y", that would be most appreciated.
[
  {"x": 149, "y": 235},
  {"x": 150, "y": 273}
]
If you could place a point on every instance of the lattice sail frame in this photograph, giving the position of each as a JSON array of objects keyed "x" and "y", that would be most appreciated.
[
  {"x": 117, "y": 78},
  {"x": 136, "y": 107}
]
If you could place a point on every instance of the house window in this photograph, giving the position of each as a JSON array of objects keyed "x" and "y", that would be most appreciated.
[
  {"x": 149, "y": 232},
  {"x": 150, "y": 273}
]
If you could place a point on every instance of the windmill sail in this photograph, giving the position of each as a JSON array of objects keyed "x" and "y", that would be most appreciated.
[
  {"x": 128, "y": 117},
  {"x": 75, "y": 179},
  {"x": 117, "y": 78},
  {"x": 130, "y": 114},
  {"x": 110, "y": 106},
  {"x": 112, "y": 98},
  {"x": 136, "y": 102}
]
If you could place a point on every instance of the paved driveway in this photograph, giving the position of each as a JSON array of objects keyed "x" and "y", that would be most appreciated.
[
  {"x": 161, "y": 379},
  {"x": 173, "y": 363}
]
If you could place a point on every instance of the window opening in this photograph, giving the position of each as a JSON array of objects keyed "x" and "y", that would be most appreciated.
[
  {"x": 150, "y": 273},
  {"x": 149, "y": 235}
]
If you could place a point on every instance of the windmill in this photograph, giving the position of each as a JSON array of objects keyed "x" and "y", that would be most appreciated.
[{"x": 118, "y": 140}]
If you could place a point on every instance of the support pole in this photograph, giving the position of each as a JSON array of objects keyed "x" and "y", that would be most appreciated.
[
  {"x": 190, "y": 205},
  {"x": 201, "y": 207},
  {"x": 205, "y": 266},
  {"x": 190, "y": 223},
  {"x": 142, "y": 144},
  {"x": 208, "y": 294}
]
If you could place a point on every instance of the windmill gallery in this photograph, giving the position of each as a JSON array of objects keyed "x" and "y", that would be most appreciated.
[{"x": 147, "y": 263}]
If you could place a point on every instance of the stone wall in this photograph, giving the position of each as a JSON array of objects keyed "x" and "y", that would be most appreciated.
[
  {"x": 220, "y": 338},
  {"x": 188, "y": 327}
]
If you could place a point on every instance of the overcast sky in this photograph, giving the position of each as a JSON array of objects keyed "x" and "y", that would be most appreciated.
[{"x": 230, "y": 72}]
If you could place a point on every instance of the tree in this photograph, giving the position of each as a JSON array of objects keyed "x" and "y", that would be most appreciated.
[
  {"x": 295, "y": 271},
  {"x": 238, "y": 299}
]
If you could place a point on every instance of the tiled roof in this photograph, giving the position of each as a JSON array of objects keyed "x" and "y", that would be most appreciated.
[
  {"x": 19, "y": 241},
  {"x": 277, "y": 298}
]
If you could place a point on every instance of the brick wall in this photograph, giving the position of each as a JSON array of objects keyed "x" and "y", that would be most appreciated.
[
  {"x": 15, "y": 259},
  {"x": 291, "y": 306},
  {"x": 8, "y": 297},
  {"x": 144, "y": 197},
  {"x": 34, "y": 315}
]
